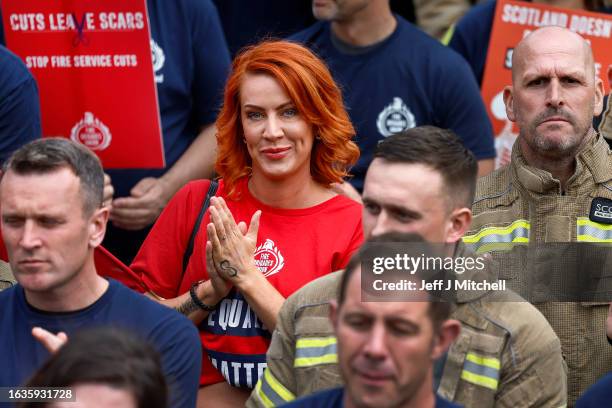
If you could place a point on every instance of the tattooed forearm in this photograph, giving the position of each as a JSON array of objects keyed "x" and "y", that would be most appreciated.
[
  {"x": 228, "y": 269},
  {"x": 187, "y": 307}
]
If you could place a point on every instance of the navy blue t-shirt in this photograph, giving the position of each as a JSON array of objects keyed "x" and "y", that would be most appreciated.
[
  {"x": 599, "y": 395},
  {"x": 407, "y": 80},
  {"x": 471, "y": 36},
  {"x": 247, "y": 22},
  {"x": 472, "y": 33},
  {"x": 173, "y": 336},
  {"x": 191, "y": 63},
  {"x": 19, "y": 105},
  {"x": 334, "y": 399}
]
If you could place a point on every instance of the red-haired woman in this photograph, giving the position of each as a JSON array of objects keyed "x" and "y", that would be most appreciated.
[{"x": 283, "y": 138}]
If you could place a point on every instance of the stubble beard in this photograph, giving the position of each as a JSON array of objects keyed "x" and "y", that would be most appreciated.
[{"x": 553, "y": 147}]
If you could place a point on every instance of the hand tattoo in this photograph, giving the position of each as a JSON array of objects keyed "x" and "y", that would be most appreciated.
[{"x": 225, "y": 266}]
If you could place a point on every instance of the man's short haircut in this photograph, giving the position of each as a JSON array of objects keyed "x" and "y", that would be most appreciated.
[
  {"x": 106, "y": 356},
  {"x": 52, "y": 154},
  {"x": 439, "y": 309},
  {"x": 440, "y": 149}
]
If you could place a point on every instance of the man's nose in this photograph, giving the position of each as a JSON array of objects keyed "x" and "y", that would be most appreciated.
[
  {"x": 554, "y": 97},
  {"x": 30, "y": 238},
  {"x": 375, "y": 347}
]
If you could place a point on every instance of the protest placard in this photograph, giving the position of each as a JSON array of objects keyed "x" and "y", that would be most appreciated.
[{"x": 93, "y": 64}]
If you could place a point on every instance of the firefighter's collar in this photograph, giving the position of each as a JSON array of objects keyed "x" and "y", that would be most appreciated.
[
  {"x": 532, "y": 178},
  {"x": 598, "y": 158},
  {"x": 595, "y": 156}
]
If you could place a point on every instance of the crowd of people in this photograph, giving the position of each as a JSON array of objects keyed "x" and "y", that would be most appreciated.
[{"x": 248, "y": 280}]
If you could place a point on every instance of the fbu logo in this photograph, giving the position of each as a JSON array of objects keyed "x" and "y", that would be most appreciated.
[{"x": 91, "y": 132}]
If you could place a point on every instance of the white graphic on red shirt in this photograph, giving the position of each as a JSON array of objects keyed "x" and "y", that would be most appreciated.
[{"x": 268, "y": 258}]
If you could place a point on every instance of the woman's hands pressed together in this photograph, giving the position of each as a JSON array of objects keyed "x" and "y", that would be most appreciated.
[
  {"x": 230, "y": 254},
  {"x": 232, "y": 246}
]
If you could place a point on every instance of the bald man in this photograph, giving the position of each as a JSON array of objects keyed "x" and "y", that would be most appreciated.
[{"x": 557, "y": 189}]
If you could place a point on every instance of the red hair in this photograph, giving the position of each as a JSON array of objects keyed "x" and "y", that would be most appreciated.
[{"x": 318, "y": 99}]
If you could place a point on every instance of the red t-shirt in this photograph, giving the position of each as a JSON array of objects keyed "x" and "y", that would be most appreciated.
[{"x": 294, "y": 246}]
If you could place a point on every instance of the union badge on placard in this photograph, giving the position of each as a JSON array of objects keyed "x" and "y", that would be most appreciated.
[{"x": 91, "y": 132}]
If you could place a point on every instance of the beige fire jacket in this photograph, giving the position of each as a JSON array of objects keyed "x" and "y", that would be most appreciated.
[
  {"x": 518, "y": 207},
  {"x": 507, "y": 355}
]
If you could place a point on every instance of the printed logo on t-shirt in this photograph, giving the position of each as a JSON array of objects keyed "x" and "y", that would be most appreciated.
[
  {"x": 395, "y": 118},
  {"x": 159, "y": 58},
  {"x": 268, "y": 258},
  {"x": 91, "y": 132}
]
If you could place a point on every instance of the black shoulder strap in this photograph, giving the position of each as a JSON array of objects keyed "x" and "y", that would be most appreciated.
[{"x": 212, "y": 189}]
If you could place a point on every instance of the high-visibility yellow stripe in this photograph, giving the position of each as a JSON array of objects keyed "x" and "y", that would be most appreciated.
[
  {"x": 590, "y": 231},
  {"x": 497, "y": 231},
  {"x": 264, "y": 398},
  {"x": 315, "y": 342},
  {"x": 277, "y": 387},
  {"x": 499, "y": 246},
  {"x": 584, "y": 221},
  {"x": 479, "y": 380},
  {"x": 514, "y": 240},
  {"x": 589, "y": 238},
  {"x": 313, "y": 361},
  {"x": 448, "y": 35},
  {"x": 485, "y": 361}
]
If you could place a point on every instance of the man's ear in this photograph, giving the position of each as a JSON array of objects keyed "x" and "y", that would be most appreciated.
[
  {"x": 459, "y": 223},
  {"x": 598, "y": 97},
  {"x": 333, "y": 313},
  {"x": 447, "y": 333},
  {"x": 97, "y": 226},
  {"x": 509, "y": 102}
]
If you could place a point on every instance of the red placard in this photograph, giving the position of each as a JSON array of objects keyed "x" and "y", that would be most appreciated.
[
  {"x": 513, "y": 21},
  {"x": 92, "y": 62}
]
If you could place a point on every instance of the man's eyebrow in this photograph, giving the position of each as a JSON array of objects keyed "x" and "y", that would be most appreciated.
[
  {"x": 535, "y": 75},
  {"x": 401, "y": 320},
  {"x": 530, "y": 76},
  {"x": 575, "y": 74},
  {"x": 393, "y": 208},
  {"x": 366, "y": 199},
  {"x": 357, "y": 313},
  {"x": 400, "y": 209}
]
